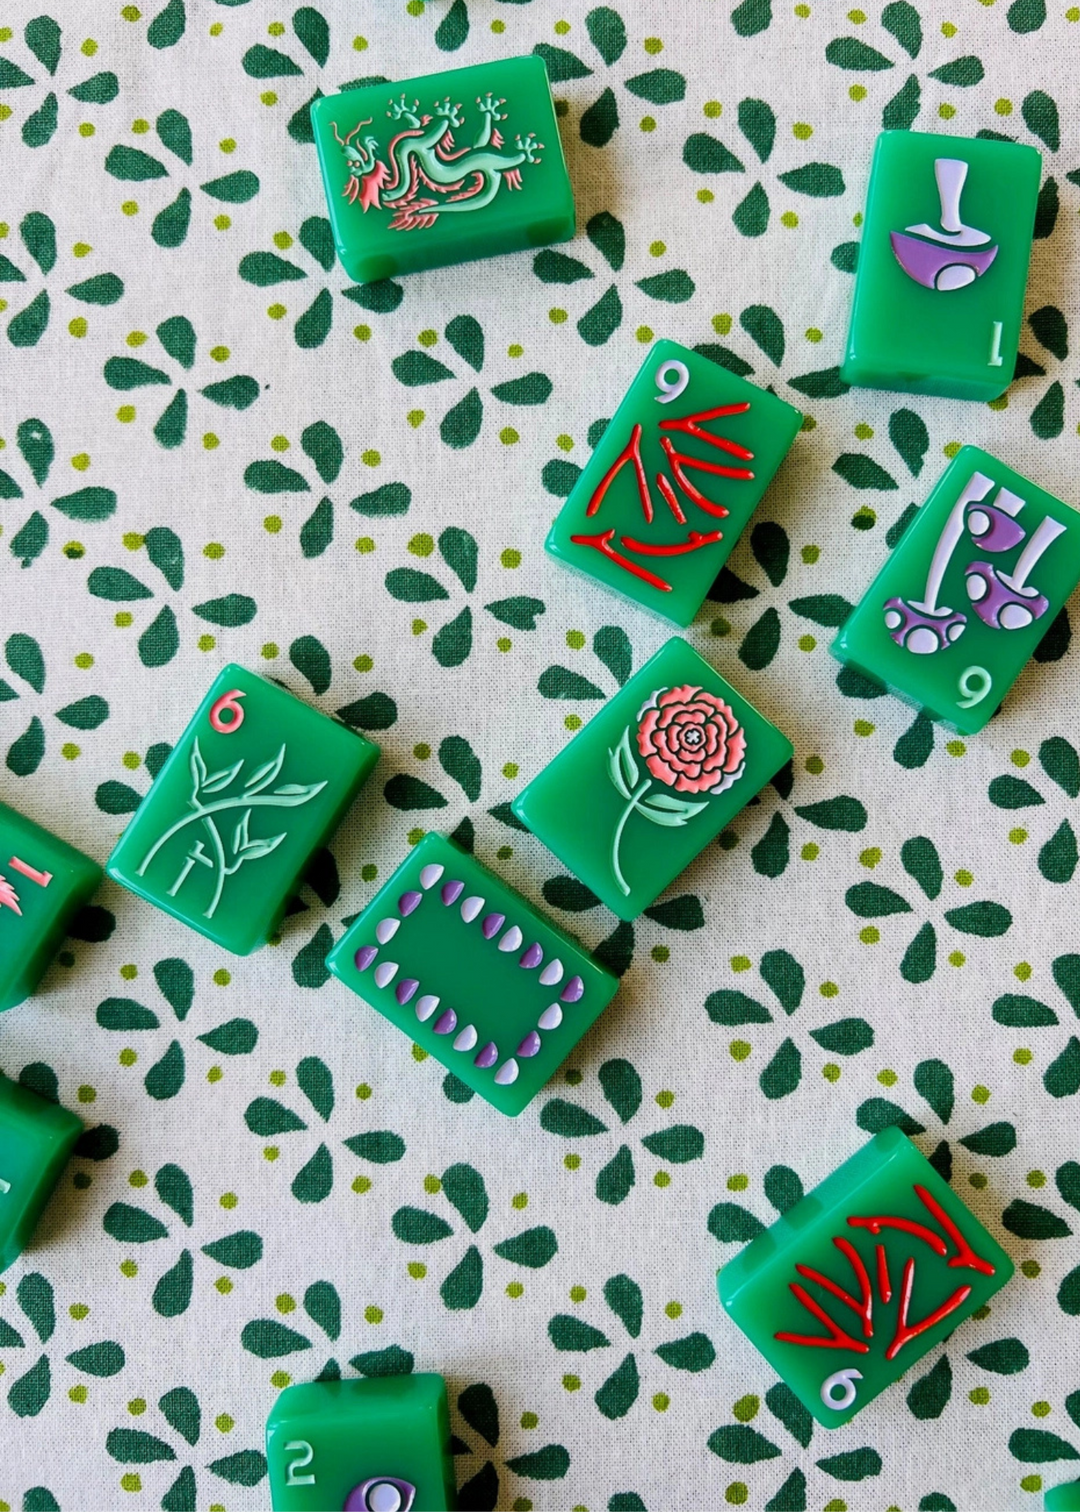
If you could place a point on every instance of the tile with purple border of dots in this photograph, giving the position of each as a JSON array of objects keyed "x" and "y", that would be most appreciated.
[
  {"x": 665, "y": 495},
  {"x": 255, "y": 785},
  {"x": 967, "y": 595},
  {"x": 472, "y": 973},
  {"x": 43, "y": 884}
]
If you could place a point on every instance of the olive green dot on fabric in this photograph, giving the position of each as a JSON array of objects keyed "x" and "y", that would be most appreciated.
[
  {"x": 232, "y": 876},
  {"x": 943, "y": 264},
  {"x": 653, "y": 778},
  {"x": 677, "y": 474},
  {"x": 964, "y": 599},
  {"x": 36, "y": 1138},
  {"x": 859, "y": 1226},
  {"x": 375, "y": 143},
  {"x": 472, "y": 973},
  {"x": 43, "y": 884},
  {"x": 327, "y": 1440}
]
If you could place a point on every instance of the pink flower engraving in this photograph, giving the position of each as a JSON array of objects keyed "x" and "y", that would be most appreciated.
[{"x": 691, "y": 740}]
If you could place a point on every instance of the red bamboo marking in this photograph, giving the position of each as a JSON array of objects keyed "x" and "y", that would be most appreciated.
[
  {"x": 691, "y": 426},
  {"x": 840, "y": 1339},
  {"x": 908, "y": 1225},
  {"x": 965, "y": 1255},
  {"x": 905, "y": 1332},
  {"x": 630, "y": 453},
  {"x": 602, "y": 543},
  {"x": 884, "y": 1284},
  {"x": 669, "y": 498},
  {"x": 863, "y": 1306},
  {"x": 674, "y": 548},
  {"x": 677, "y": 460}
]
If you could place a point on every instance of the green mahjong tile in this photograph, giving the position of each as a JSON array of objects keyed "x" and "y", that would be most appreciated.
[
  {"x": 380, "y": 1445},
  {"x": 1063, "y": 1498},
  {"x": 36, "y": 1138},
  {"x": 968, "y": 593},
  {"x": 256, "y": 784},
  {"x": 43, "y": 884},
  {"x": 943, "y": 264},
  {"x": 652, "y": 778},
  {"x": 673, "y": 481},
  {"x": 472, "y": 973},
  {"x": 442, "y": 169},
  {"x": 853, "y": 1285}
]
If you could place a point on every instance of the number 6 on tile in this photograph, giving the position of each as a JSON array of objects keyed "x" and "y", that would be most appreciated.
[{"x": 231, "y": 702}]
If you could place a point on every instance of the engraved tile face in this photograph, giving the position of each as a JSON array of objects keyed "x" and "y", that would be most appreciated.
[
  {"x": 943, "y": 263},
  {"x": 255, "y": 785},
  {"x": 652, "y": 778},
  {"x": 862, "y": 1277},
  {"x": 380, "y": 1445},
  {"x": 43, "y": 884},
  {"x": 974, "y": 584},
  {"x": 36, "y": 1138},
  {"x": 673, "y": 481},
  {"x": 442, "y": 169},
  {"x": 472, "y": 973}
]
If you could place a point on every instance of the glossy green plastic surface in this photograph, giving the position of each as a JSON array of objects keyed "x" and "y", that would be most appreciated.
[
  {"x": 43, "y": 884},
  {"x": 472, "y": 973},
  {"x": 1063, "y": 1498},
  {"x": 968, "y": 593},
  {"x": 928, "y": 337},
  {"x": 855, "y": 1270},
  {"x": 330, "y": 1444},
  {"x": 36, "y": 1138},
  {"x": 660, "y": 535},
  {"x": 652, "y": 778},
  {"x": 442, "y": 169},
  {"x": 225, "y": 834}
]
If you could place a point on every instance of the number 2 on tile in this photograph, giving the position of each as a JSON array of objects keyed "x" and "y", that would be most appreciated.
[{"x": 307, "y": 1454}]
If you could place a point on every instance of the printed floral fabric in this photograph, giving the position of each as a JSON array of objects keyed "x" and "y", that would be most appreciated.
[{"x": 216, "y": 448}]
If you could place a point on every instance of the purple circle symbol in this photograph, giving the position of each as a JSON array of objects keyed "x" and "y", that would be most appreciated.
[{"x": 381, "y": 1493}]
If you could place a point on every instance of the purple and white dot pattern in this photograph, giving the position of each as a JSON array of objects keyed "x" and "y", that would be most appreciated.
[{"x": 491, "y": 927}]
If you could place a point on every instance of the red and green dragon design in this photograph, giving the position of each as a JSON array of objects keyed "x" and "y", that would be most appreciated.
[{"x": 427, "y": 175}]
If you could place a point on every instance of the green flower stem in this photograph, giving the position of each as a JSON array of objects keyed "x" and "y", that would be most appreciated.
[
  {"x": 288, "y": 801},
  {"x": 617, "y": 837}
]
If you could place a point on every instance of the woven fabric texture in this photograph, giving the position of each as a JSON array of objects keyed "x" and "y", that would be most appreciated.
[{"x": 214, "y": 451}]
